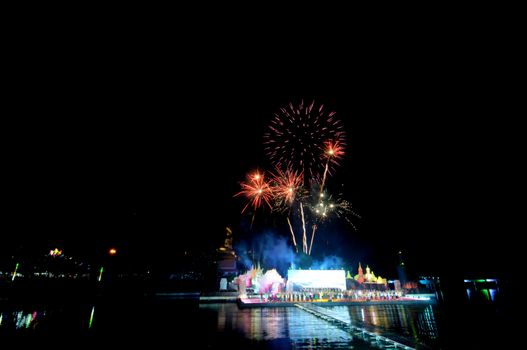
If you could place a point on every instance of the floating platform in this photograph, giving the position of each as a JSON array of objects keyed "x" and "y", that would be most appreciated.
[
  {"x": 219, "y": 297},
  {"x": 252, "y": 303}
]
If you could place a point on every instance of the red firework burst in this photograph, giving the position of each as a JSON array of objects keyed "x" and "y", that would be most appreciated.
[
  {"x": 286, "y": 185},
  {"x": 256, "y": 190},
  {"x": 333, "y": 151}
]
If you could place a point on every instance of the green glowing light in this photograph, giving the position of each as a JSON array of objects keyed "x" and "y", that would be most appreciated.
[
  {"x": 486, "y": 293},
  {"x": 91, "y": 316}
]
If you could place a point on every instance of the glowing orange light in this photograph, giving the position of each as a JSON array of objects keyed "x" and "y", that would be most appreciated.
[{"x": 112, "y": 251}]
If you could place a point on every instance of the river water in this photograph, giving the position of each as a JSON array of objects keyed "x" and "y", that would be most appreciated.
[
  {"x": 295, "y": 328},
  {"x": 222, "y": 325}
]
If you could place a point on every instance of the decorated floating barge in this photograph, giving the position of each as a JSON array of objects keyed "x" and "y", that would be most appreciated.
[{"x": 319, "y": 287}]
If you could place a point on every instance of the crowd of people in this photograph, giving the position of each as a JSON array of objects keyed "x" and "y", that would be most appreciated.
[{"x": 330, "y": 295}]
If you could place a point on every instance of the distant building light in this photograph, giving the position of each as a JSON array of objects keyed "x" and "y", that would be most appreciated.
[
  {"x": 55, "y": 252},
  {"x": 482, "y": 280}
]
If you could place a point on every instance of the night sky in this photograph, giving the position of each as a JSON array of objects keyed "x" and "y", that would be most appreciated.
[{"x": 148, "y": 157}]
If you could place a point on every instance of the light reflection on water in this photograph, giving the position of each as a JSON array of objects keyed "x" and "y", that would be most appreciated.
[
  {"x": 410, "y": 324},
  {"x": 290, "y": 326},
  {"x": 417, "y": 322},
  {"x": 21, "y": 319},
  {"x": 301, "y": 329}
]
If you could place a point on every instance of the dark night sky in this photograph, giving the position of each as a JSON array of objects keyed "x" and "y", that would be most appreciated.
[{"x": 145, "y": 154}]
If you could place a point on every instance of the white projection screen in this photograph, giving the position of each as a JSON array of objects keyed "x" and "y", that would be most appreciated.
[{"x": 317, "y": 279}]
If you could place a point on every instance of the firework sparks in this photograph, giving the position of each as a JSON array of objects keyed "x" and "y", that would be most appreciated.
[
  {"x": 286, "y": 186},
  {"x": 304, "y": 239},
  {"x": 325, "y": 207},
  {"x": 286, "y": 189},
  {"x": 308, "y": 142},
  {"x": 292, "y": 234},
  {"x": 256, "y": 190},
  {"x": 333, "y": 152},
  {"x": 297, "y": 135},
  {"x": 312, "y": 238}
]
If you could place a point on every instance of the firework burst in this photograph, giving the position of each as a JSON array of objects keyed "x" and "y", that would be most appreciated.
[
  {"x": 287, "y": 186},
  {"x": 325, "y": 206},
  {"x": 308, "y": 142},
  {"x": 256, "y": 190},
  {"x": 298, "y": 135},
  {"x": 333, "y": 152}
]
